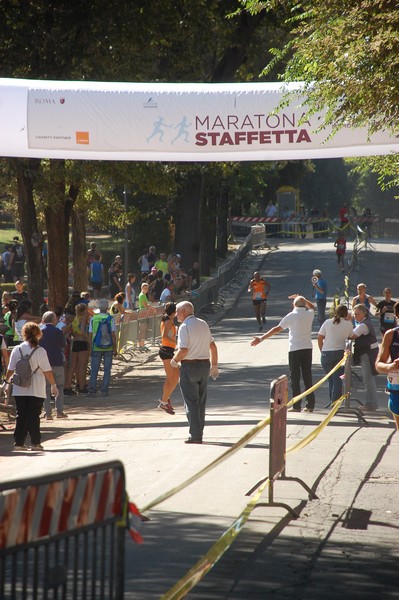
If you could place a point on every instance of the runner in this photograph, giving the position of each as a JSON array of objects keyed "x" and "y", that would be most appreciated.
[{"x": 259, "y": 288}]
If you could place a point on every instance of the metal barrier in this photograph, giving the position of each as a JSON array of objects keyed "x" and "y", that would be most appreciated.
[{"x": 60, "y": 536}]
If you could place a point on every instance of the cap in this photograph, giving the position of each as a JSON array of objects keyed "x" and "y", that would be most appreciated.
[{"x": 103, "y": 304}]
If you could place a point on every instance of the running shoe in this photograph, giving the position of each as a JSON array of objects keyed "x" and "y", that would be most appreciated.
[
  {"x": 168, "y": 408},
  {"x": 20, "y": 448},
  {"x": 36, "y": 447}
]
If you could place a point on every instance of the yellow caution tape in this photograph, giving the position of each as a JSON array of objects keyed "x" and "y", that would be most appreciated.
[
  {"x": 313, "y": 435},
  {"x": 242, "y": 442},
  {"x": 208, "y": 560}
]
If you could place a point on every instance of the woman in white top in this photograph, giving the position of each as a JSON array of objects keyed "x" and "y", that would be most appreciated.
[
  {"x": 332, "y": 339},
  {"x": 29, "y": 400}
]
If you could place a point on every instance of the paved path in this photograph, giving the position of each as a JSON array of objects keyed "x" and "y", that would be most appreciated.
[{"x": 343, "y": 545}]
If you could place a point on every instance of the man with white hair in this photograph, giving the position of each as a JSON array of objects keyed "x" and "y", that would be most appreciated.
[
  {"x": 53, "y": 342},
  {"x": 197, "y": 353},
  {"x": 299, "y": 324}
]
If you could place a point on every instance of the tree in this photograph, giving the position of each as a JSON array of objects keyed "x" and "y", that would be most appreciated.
[{"x": 347, "y": 55}]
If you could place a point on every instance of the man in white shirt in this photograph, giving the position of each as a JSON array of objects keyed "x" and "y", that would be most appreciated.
[
  {"x": 197, "y": 352},
  {"x": 299, "y": 324}
]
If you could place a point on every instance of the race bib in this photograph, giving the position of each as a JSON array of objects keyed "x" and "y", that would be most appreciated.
[
  {"x": 393, "y": 380},
  {"x": 389, "y": 317},
  {"x": 258, "y": 296}
]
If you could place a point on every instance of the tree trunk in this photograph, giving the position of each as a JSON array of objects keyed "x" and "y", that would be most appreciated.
[
  {"x": 79, "y": 250},
  {"x": 188, "y": 204},
  {"x": 57, "y": 217},
  {"x": 26, "y": 170},
  {"x": 222, "y": 215},
  {"x": 189, "y": 241},
  {"x": 208, "y": 237}
]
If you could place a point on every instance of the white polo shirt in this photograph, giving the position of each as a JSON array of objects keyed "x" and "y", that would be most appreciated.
[
  {"x": 195, "y": 335},
  {"x": 299, "y": 323}
]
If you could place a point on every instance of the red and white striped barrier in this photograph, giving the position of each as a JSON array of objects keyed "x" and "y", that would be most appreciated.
[{"x": 30, "y": 513}]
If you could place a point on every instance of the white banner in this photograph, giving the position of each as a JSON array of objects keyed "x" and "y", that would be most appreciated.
[{"x": 169, "y": 122}]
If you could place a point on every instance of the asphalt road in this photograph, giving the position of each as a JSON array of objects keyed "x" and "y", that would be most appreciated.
[{"x": 344, "y": 545}]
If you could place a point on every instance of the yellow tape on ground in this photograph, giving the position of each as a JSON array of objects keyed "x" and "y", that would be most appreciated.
[
  {"x": 208, "y": 560},
  {"x": 309, "y": 438},
  {"x": 242, "y": 442}
]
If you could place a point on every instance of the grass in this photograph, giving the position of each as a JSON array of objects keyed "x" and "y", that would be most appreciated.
[{"x": 6, "y": 236}]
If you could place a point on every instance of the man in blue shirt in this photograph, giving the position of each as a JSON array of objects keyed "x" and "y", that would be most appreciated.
[{"x": 320, "y": 294}]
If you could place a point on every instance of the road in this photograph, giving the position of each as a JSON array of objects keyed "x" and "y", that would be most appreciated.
[{"x": 343, "y": 544}]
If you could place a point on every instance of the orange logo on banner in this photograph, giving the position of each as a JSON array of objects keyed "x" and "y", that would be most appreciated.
[{"x": 82, "y": 137}]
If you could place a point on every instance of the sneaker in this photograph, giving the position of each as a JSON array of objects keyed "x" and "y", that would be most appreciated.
[
  {"x": 90, "y": 394},
  {"x": 36, "y": 447},
  {"x": 17, "y": 448},
  {"x": 84, "y": 391},
  {"x": 168, "y": 408},
  {"x": 49, "y": 417},
  {"x": 308, "y": 410},
  {"x": 192, "y": 441},
  {"x": 293, "y": 409},
  {"x": 61, "y": 415},
  {"x": 104, "y": 394}
]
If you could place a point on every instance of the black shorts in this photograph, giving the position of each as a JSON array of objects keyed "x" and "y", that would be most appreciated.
[
  {"x": 80, "y": 346},
  {"x": 96, "y": 285},
  {"x": 166, "y": 352},
  {"x": 257, "y": 302}
]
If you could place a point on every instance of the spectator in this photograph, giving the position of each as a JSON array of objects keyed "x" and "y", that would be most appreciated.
[
  {"x": 114, "y": 279},
  {"x": 6, "y": 264},
  {"x": 299, "y": 322},
  {"x": 332, "y": 340},
  {"x": 19, "y": 295},
  {"x": 22, "y": 316},
  {"x": 194, "y": 279},
  {"x": 161, "y": 264},
  {"x": 93, "y": 253},
  {"x": 96, "y": 276},
  {"x": 158, "y": 286},
  {"x": 167, "y": 294},
  {"x": 9, "y": 320},
  {"x": 197, "y": 353},
  {"x": 29, "y": 400},
  {"x": 79, "y": 355},
  {"x": 130, "y": 292},
  {"x": 103, "y": 347},
  {"x": 17, "y": 259},
  {"x": 151, "y": 257},
  {"x": 117, "y": 307},
  {"x": 53, "y": 342},
  {"x": 365, "y": 353},
  {"x": 143, "y": 263}
]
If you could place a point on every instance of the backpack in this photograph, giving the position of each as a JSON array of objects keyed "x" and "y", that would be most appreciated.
[
  {"x": 23, "y": 371},
  {"x": 103, "y": 337},
  {"x": 19, "y": 253}
]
